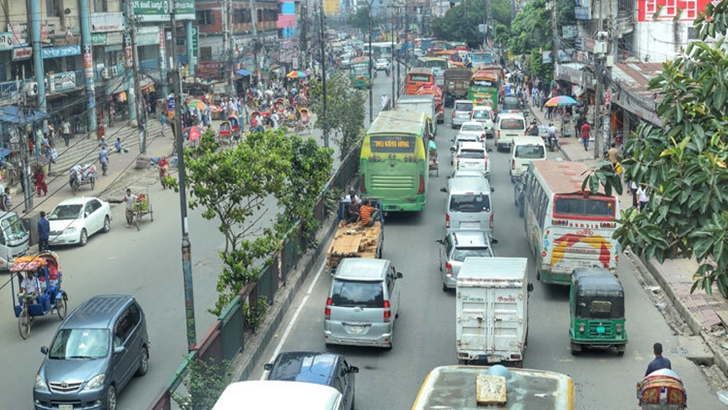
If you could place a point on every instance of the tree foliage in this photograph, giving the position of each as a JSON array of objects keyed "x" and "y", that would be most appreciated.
[
  {"x": 683, "y": 164},
  {"x": 531, "y": 28},
  {"x": 236, "y": 187},
  {"x": 205, "y": 382},
  {"x": 360, "y": 19},
  {"x": 344, "y": 113},
  {"x": 460, "y": 23}
]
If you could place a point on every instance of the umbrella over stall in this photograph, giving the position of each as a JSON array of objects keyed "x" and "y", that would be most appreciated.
[
  {"x": 296, "y": 74},
  {"x": 195, "y": 103},
  {"x": 560, "y": 101}
]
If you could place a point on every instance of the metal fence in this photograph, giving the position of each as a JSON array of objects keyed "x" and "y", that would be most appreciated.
[{"x": 226, "y": 338}]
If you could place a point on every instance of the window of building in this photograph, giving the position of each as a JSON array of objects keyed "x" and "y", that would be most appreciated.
[
  {"x": 259, "y": 16},
  {"x": 241, "y": 16},
  {"x": 54, "y": 8},
  {"x": 205, "y": 18},
  {"x": 691, "y": 10},
  {"x": 205, "y": 53},
  {"x": 101, "y": 6}
]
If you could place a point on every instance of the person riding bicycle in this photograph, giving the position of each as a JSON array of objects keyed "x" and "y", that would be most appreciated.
[{"x": 533, "y": 129}]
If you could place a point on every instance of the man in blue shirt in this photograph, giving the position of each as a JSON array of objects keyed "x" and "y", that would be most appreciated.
[
  {"x": 44, "y": 232},
  {"x": 659, "y": 362}
]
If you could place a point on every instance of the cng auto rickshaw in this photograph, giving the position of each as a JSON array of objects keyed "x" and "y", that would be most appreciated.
[{"x": 596, "y": 305}]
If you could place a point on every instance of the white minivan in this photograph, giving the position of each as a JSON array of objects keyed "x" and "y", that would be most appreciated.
[
  {"x": 469, "y": 205},
  {"x": 525, "y": 150},
  {"x": 509, "y": 126},
  {"x": 278, "y": 395}
]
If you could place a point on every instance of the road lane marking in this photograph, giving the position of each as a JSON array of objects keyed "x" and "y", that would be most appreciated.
[{"x": 293, "y": 320}]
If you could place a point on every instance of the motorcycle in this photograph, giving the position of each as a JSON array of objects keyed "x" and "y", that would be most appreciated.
[{"x": 553, "y": 143}]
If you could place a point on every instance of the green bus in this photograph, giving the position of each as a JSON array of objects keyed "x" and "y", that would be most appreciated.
[
  {"x": 484, "y": 88},
  {"x": 394, "y": 163},
  {"x": 359, "y": 72}
]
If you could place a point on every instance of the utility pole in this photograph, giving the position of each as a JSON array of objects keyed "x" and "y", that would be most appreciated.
[
  {"x": 253, "y": 18},
  {"x": 371, "y": 78},
  {"x": 391, "y": 70},
  {"x": 230, "y": 46},
  {"x": 138, "y": 106},
  {"x": 24, "y": 129},
  {"x": 323, "y": 74},
  {"x": 554, "y": 40},
  {"x": 599, "y": 75},
  {"x": 186, "y": 245},
  {"x": 399, "y": 63}
]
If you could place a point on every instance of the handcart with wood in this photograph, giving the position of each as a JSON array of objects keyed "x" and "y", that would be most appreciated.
[{"x": 354, "y": 240}]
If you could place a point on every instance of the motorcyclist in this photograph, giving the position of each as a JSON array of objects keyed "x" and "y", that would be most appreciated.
[
  {"x": 533, "y": 129},
  {"x": 552, "y": 140}
]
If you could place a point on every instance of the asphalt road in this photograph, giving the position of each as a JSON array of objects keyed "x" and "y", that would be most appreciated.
[
  {"x": 146, "y": 264},
  {"x": 425, "y": 329}
]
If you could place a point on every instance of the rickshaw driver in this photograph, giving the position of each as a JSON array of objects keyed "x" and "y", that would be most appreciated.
[{"x": 29, "y": 287}]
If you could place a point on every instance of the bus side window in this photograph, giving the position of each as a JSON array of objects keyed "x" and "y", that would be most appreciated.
[{"x": 542, "y": 206}]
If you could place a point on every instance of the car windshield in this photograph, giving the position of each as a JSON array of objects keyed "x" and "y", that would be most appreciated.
[
  {"x": 471, "y": 127},
  {"x": 65, "y": 212},
  {"x": 351, "y": 293},
  {"x": 472, "y": 154},
  {"x": 80, "y": 344},
  {"x": 470, "y": 203},
  {"x": 481, "y": 115},
  {"x": 530, "y": 152},
  {"x": 13, "y": 228},
  {"x": 463, "y": 106},
  {"x": 459, "y": 254}
]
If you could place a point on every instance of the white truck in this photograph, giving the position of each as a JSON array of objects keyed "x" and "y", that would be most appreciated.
[
  {"x": 421, "y": 103},
  {"x": 492, "y": 311}
]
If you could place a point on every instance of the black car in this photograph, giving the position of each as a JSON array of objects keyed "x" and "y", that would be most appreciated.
[{"x": 319, "y": 368}]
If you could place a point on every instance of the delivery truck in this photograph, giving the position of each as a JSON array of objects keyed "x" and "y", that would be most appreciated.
[{"x": 492, "y": 311}]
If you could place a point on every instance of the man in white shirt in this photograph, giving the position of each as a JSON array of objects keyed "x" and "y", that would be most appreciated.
[
  {"x": 29, "y": 285},
  {"x": 129, "y": 200},
  {"x": 642, "y": 197}
]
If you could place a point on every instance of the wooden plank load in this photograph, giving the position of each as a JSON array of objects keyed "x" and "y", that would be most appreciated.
[{"x": 353, "y": 240}]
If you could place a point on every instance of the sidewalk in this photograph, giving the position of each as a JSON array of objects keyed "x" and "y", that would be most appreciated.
[{"x": 706, "y": 315}]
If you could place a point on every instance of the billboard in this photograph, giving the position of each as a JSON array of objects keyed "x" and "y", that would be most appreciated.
[
  {"x": 332, "y": 7},
  {"x": 669, "y": 10}
]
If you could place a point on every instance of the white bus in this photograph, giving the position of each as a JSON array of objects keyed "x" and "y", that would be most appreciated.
[
  {"x": 566, "y": 227},
  {"x": 379, "y": 50}
]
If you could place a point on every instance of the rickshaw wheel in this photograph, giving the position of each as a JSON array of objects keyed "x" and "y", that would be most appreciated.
[
  {"x": 139, "y": 219},
  {"x": 61, "y": 307},
  {"x": 74, "y": 187},
  {"x": 24, "y": 324}
]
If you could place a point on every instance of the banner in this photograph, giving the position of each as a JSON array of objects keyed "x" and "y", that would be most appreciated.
[
  {"x": 62, "y": 81},
  {"x": 332, "y": 7}
]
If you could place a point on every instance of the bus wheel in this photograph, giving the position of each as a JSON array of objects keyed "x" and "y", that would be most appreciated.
[
  {"x": 538, "y": 275},
  {"x": 575, "y": 349}
]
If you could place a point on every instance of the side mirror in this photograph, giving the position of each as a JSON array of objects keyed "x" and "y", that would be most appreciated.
[
  {"x": 530, "y": 287},
  {"x": 44, "y": 349},
  {"x": 119, "y": 349},
  {"x": 443, "y": 189},
  {"x": 268, "y": 366},
  {"x": 494, "y": 240},
  {"x": 440, "y": 241},
  {"x": 399, "y": 275},
  {"x": 353, "y": 369},
  {"x": 452, "y": 139}
]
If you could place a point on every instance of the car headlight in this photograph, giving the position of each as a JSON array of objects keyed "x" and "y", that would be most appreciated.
[
  {"x": 95, "y": 382},
  {"x": 69, "y": 230},
  {"x": 40, "y": 383}
]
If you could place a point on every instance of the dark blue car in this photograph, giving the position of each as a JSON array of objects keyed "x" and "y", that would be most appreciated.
[{"x": 319, "y": 368}]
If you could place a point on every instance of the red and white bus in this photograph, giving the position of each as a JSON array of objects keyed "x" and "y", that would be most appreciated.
[{"x": 566, "y": 227}]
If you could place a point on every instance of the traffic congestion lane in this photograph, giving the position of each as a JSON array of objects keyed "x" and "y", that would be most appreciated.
[
  {"x": 145, "y": 264},
  {"x": 425, "y": 330}
]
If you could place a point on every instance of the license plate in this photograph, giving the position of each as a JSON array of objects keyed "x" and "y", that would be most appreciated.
[
  {"x": 600, "y": 329},
  {"x": 357, "y": 330},
  {"x": 470, "y": 225},
  {"x": 65, "y": 407}
]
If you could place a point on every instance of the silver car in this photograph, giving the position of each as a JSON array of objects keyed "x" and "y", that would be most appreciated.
[
  {"x": 461, "y": 112},
  {"x": 362, "y": 304},
  {"x": 456, "y": 247}
]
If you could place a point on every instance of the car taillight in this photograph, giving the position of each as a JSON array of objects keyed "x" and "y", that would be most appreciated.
[
  {"x": 387, "y": 312},
  {"x": 491, "y": 222},
  {"x": 453, "y": 113},
  {"x": 581, "y": 328},
  {"x": 447, "y": 220},
  {"x": 619, "y": 328},
  {"x": 421, "y": 189},
  {"x": 482, "y": 135},
  {"x": 363, "y": 185},
  {"x": 498, "y": 134},
  {"x": 448, "y": 269},
  {"x": 513, "y": 164},
  {"x": 327, "y": 311}
]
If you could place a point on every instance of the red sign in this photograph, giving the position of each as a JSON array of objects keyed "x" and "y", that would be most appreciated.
[
  {"x": 607, "y": 99},
  {"x": 670, "y": 10},
  {"x": 22, "y": 53},
  {"x": 207, "y": 68}
]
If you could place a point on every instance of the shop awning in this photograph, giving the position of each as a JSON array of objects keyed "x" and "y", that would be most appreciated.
[
  {"x": 243, "y": 72},
  {"x": 13, "y": 115}
]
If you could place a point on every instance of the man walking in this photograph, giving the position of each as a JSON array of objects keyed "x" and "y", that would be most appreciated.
[
  {"x": 659, "y": 362},
  {"x": 44, "y": 232},
  {"x": 66, "y": 130},
  {"x": 585, "y": 134},
  {"x": 104, "y": 159},
  {"x": 129, "y": 200}
]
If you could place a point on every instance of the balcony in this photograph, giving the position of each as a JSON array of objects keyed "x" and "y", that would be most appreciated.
[{"x": 624, "y": 23}]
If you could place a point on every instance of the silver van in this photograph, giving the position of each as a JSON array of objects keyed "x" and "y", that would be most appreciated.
[
  {"x": 362, "y": 303},
  {"x": 96, "y": 351},
  {"x": 461, "y": 112},
  {"x": 469, "y": 205}
]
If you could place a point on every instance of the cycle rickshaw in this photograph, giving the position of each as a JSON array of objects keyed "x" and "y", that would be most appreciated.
[{"x": 49, "y": 297}]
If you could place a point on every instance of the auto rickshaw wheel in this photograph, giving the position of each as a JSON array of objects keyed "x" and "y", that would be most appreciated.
[
  {"x": 621, "y": 349},
  {"x": 24, "y": 324}
]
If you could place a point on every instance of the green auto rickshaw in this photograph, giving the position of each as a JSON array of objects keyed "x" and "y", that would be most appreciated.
[{"x": 596, "y": 304}]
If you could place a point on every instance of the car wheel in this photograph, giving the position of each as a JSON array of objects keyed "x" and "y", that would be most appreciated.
[
  {"x": 353, "y": 401},
  {"x": 83, "y": 240},
  {"x": 107, "y": 224},
  {"x": 111, "y": 398},
  {"x": 143, "y": 363}
]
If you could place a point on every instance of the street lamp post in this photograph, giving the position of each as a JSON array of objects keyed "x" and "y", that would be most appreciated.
[
  {"x": 371, "y": 79},
  {"x": 392, "y": 66}
]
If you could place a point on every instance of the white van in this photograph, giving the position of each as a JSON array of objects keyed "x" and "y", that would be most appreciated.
[
  {"x": 469, "y": 205},
  {"x": 509, "y": 126},
  {"x": 525, "y": 150},
  {"x": 14, "y": 239},
  {"x": 278, "y": 395}
]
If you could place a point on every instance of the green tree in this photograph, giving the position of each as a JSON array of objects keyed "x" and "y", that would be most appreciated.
[
  {"x": 683, "y": 163},
  {"x": 360, "y": 19},
  {"x": 460, "y": 23},
  {"x": 531, "y": 28},
  {"x": 235, "y": 187},
  {"x": 344, "y": 113}
]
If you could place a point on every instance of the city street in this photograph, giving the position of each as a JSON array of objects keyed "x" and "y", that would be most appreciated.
[
  {"x": 425, "y": 332},
  {"x": 145, "y": 264}
]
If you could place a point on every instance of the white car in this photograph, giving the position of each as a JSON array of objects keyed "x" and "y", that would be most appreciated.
[
  {"x": 381, "y": 64},
  {"x": 474, "y": 128},
  {"x": 472, "y": 156},
  {"x": 74, "y": 220},
  {"x": 484, "y": 115}
]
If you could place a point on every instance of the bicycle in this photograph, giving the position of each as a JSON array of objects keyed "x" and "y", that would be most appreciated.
[{"x": 24, "y": 318}]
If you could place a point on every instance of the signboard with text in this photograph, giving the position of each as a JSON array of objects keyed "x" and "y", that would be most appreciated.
[
  {"x": 104, "y": 22},
  {"x": 6, "y": 41},
  {"x": 62, "y": 81},
  {"x": 158, "y": 10},
  {"x": 58, "y": 52}
]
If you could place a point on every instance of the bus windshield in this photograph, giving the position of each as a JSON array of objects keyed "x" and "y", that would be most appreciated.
[
  {"x": 360, "y": 68},
  {"x": 420, "y": 78}
]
